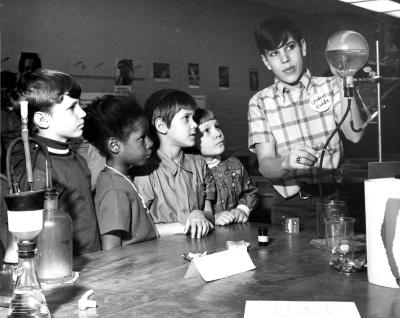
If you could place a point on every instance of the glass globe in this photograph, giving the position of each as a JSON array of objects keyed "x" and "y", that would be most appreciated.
[{"x": 346, "y": 52}]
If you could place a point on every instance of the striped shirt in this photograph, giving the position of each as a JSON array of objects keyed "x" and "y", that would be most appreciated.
[{"x": 305, "y": 114}]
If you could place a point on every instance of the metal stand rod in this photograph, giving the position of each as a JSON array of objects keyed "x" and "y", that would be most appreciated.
[{"x": 378, "y": 97}]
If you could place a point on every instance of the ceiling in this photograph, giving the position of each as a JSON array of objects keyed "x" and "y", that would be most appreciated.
[
  {"x": 307, "y": 6},
  {"x": 313, "y": 6}
]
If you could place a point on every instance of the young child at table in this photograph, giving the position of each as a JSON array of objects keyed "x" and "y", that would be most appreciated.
[
  {"x": 236, "y": 194},
  {"x": 118, "y": 128},
  {"x": 54, "y": 117},
  {"x": 177, "y": 187}
]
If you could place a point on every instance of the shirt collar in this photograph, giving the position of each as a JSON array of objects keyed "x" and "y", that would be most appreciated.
[
  {"x": 53, "y": 146},
  {"x": 213, "y": 163},
  {"x": 304, "y": 82},
  {"x": 170, "y": 165}
]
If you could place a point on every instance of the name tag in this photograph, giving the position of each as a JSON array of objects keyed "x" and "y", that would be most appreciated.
[{"x": 320, "y": 102}]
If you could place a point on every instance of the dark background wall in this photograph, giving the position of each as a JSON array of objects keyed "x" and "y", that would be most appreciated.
[{"x": 211, "y": 33}]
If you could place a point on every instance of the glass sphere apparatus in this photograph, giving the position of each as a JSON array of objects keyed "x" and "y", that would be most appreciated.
[{"x": 346, "y": 52}]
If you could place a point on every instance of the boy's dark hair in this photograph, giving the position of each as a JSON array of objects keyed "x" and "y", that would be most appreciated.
[
  {"x": 202, "y": 116},
  {"x": 111, "y": 116},
  {"x": 45, "y": 88},
  {"x": 166, "y": 103},
  {"x": 272, "y": 33}
]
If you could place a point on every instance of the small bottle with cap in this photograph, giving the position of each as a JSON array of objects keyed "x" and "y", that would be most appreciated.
[{"x": 263, "y": 236}]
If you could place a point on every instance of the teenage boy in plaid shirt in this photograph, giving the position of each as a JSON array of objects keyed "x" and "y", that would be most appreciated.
[{"x": 291, "y": 120}]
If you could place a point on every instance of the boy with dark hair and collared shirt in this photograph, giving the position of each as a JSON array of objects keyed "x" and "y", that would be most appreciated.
[
  {"x": 54, "y": 117},
  {"x": 291, "y": 120},
  {"x": 177, "y": 187}
]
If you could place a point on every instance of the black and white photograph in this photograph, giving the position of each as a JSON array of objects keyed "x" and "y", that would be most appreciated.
[
  {"x": 193, "y": 75},
  {"x": 190, "y": 159},
  {"x": 223, "y": 76},
  {"x": 161, "y": 72},
  {"x": 253, "y": 79}
]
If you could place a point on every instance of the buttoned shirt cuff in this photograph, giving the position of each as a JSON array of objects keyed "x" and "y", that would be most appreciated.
[{"x": 244, "y": 208}]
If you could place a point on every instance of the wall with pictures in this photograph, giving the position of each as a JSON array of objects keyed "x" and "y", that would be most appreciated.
[{"x": 207, "y": 46}]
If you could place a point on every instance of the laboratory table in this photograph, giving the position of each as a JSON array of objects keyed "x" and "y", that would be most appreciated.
[{"x": 147, "y": 279}]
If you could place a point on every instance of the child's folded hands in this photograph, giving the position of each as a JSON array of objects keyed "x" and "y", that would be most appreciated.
[
  {"x": 239, "y": 215},
  {"x": 224, "y": 218}
]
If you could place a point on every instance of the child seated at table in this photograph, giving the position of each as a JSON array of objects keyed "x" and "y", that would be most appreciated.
[
  {"x": 236, "y": 193},
  {"x": 54, "y": 117},
  {"x": 118, "y": 128},
  {"x": 178, "y": 188}
]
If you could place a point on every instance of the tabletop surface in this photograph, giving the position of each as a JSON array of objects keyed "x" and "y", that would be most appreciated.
[{"x": 147, "y": 279}]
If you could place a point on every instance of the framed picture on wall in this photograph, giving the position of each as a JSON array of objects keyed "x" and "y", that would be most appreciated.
[
  {"x": 253, "y": 79},
  {"x": 193, "y": 75},
  {"x": 28, "y": 62},
  {"x": 124, "y": 72},
  {"x": 161, "y": 72},
  {"x": 223, "y": 73}
]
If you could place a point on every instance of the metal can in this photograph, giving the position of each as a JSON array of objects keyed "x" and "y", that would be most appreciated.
[{"x": 290, "y": 225}]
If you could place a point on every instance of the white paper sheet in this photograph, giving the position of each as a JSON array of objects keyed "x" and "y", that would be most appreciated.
[
  {"x": 300, "y": 309},
  {"x": 220, "y": 265},
  {"x": 382, "y": 209}
]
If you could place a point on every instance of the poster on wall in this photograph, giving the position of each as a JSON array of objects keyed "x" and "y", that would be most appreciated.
[
  {"x": 161, "y": 72},
  {"x": 28, "y": 62},
  {"x": 253, "y": 79},
  {"x": 123, "y": 72},
  {"x": 194, "y": 75},
  {"x": 223, "y": 72}
]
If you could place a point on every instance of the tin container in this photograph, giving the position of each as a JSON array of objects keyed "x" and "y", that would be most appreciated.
[{"x": 290, "y": 225}]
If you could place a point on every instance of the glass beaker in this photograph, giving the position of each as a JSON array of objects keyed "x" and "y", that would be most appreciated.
[
  {"x": 327, "y": 209},
  {"x": 339, "y": 237}
]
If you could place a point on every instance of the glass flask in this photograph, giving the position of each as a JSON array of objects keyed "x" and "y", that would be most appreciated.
[
  {"x": 27, "y": 300},
  {"x": 347, "y": 52},
  {"x": 54, "y": 256}
]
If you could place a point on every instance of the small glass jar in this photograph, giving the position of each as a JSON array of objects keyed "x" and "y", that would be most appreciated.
[{"x": 263, "y": 236}]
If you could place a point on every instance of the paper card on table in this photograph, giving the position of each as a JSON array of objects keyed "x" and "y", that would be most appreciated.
[
  {"x": 300, "y": 309},
  {"x": 220, "y": 265}
]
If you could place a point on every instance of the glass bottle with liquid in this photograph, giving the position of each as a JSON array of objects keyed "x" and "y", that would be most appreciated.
[
  {"x": 54, "y": 256},
  {"x": 27, "y": 300}
]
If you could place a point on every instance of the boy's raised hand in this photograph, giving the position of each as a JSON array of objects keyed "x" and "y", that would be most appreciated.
[
  {"x": 224, "y": 218},
  {"x": 197, "y": 224}
]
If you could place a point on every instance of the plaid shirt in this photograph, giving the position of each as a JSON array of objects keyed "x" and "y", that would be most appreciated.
[{"x": 284, "y": 117}]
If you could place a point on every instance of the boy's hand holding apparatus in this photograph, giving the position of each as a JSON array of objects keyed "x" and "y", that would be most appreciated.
[
  {"x": 197, "y": 224},
  {"x": 301, "y": 156}
]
